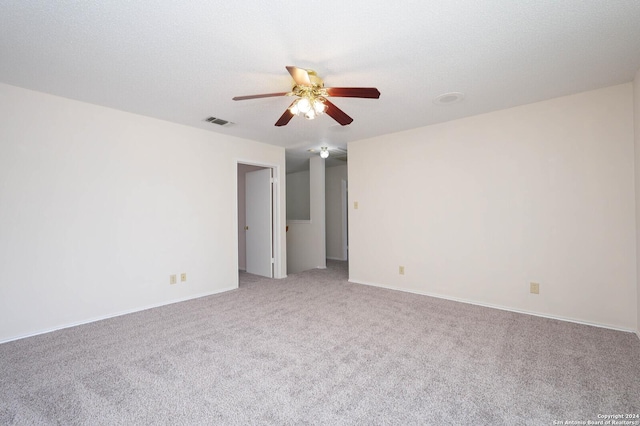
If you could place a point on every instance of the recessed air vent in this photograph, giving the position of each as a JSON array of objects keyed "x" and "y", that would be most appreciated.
[
  {"x": 218, "y": 121},
  {"x": 449, "y": 98}
]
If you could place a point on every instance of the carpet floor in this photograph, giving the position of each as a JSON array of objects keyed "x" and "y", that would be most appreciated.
[{"x": 316, "y": 349}]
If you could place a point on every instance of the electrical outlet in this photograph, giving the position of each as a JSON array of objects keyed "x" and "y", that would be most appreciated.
[
  {"x": 172, "y": 279},
  {"x": 534, "y": 288},
  {"x": 183, "y": 277},
  {"x": 401, "y": 270},
  {"x": 355, "y": 205}
]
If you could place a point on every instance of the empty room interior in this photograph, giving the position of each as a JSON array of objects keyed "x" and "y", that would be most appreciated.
[{"x": 333, "y": 213}]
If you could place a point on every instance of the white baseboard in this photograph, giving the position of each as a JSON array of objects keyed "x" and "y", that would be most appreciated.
[
  {"x": 116, "y": 314},
  {"x": 336, "y": 258},
  {"x": 502, "y": 308}
]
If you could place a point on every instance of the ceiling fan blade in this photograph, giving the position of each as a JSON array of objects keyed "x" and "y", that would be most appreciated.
[
  {"x": 264, "y": 95},
  {"x": 300, "y": 75},
  {"x": 353, "y": 92},
  {"x": 337, "y": 114},
  {"x": 286, "y": 117}
]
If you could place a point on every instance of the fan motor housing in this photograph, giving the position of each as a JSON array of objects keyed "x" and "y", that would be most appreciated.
[{"x": 315, "y": 80}]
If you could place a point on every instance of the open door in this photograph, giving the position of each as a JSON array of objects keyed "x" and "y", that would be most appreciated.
[{"x": 259, "y": 222}]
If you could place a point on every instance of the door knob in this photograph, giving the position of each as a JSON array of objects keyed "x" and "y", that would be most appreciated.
[{"x": 246, "y": 228}]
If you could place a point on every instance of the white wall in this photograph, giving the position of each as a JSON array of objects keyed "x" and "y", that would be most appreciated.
[
  {"x": 333, "y": 200},
  {"x": 636, "y": 120},
  {"x": 306, "y": 244},
  {"x": 98, "y": 207},
  {"x": 477, "y": 208},
  {"x": 298, "y": 196}
]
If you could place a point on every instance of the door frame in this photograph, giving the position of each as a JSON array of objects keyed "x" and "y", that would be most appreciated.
[{"x": 279, "y": 265}]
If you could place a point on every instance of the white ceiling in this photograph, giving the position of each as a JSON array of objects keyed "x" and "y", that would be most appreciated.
[{"x": 184, "y": 61}]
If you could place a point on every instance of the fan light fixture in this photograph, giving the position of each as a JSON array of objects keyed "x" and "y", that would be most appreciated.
[
  {"x": 324, "y": 152},
  {"x": 310, "y": 104},
  {"x": 312, "y": 97}
]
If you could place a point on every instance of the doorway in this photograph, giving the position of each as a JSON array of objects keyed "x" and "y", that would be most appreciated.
[
  {"x": 345, "y": 218},
  {"x": 337, "y": 220},
  {"x": 256, "y": 219}
]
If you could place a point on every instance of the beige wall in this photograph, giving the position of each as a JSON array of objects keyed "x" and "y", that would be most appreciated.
[
  {"x": 476, "y": 209},
  {"x": 298, "y": 196},
  {"x": 636, "y": 119},
  {"x": 98, "y": 207}
]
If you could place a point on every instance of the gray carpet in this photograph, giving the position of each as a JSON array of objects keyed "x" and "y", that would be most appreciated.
[{"x": 315, "y": 349}]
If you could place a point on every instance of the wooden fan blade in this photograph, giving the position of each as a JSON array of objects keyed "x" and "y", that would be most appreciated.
[
  {"x": 286, "y": 117},
  {"x": 264, "y": 95},
  {"x": 353, "y": 92},
  {"x": 300, "y": 76},
  {"x": 337, "y": 114}
]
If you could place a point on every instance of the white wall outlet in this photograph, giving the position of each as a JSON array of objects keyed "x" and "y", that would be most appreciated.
[
  {"x": 172, "y": 279},
  {"x": 401, "y": 270},
  {"x": 534, "y": 288},
  {"x": 183, "y": 277},
  {"x": 355, "y": 205}
]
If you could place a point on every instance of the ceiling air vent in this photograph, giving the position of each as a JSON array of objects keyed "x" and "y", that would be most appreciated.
[{"x": 218, "y": 121}]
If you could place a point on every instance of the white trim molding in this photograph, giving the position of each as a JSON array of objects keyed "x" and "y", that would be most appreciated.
[
  {"x": 502, "y": 308},
  {"x": 117, "y": 314}
]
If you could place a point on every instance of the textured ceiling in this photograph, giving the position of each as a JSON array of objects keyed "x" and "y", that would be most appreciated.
[{"x": 184, "y": 61}]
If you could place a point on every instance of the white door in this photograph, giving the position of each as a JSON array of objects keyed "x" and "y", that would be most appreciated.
[{"x": 259, "y": 210}]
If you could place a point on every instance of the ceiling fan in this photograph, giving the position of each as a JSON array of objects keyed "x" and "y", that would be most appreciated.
[{"x": 312, "y": 96}]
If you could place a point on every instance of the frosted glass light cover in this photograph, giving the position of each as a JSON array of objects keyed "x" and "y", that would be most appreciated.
[{"x": 304, "y": 106}]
